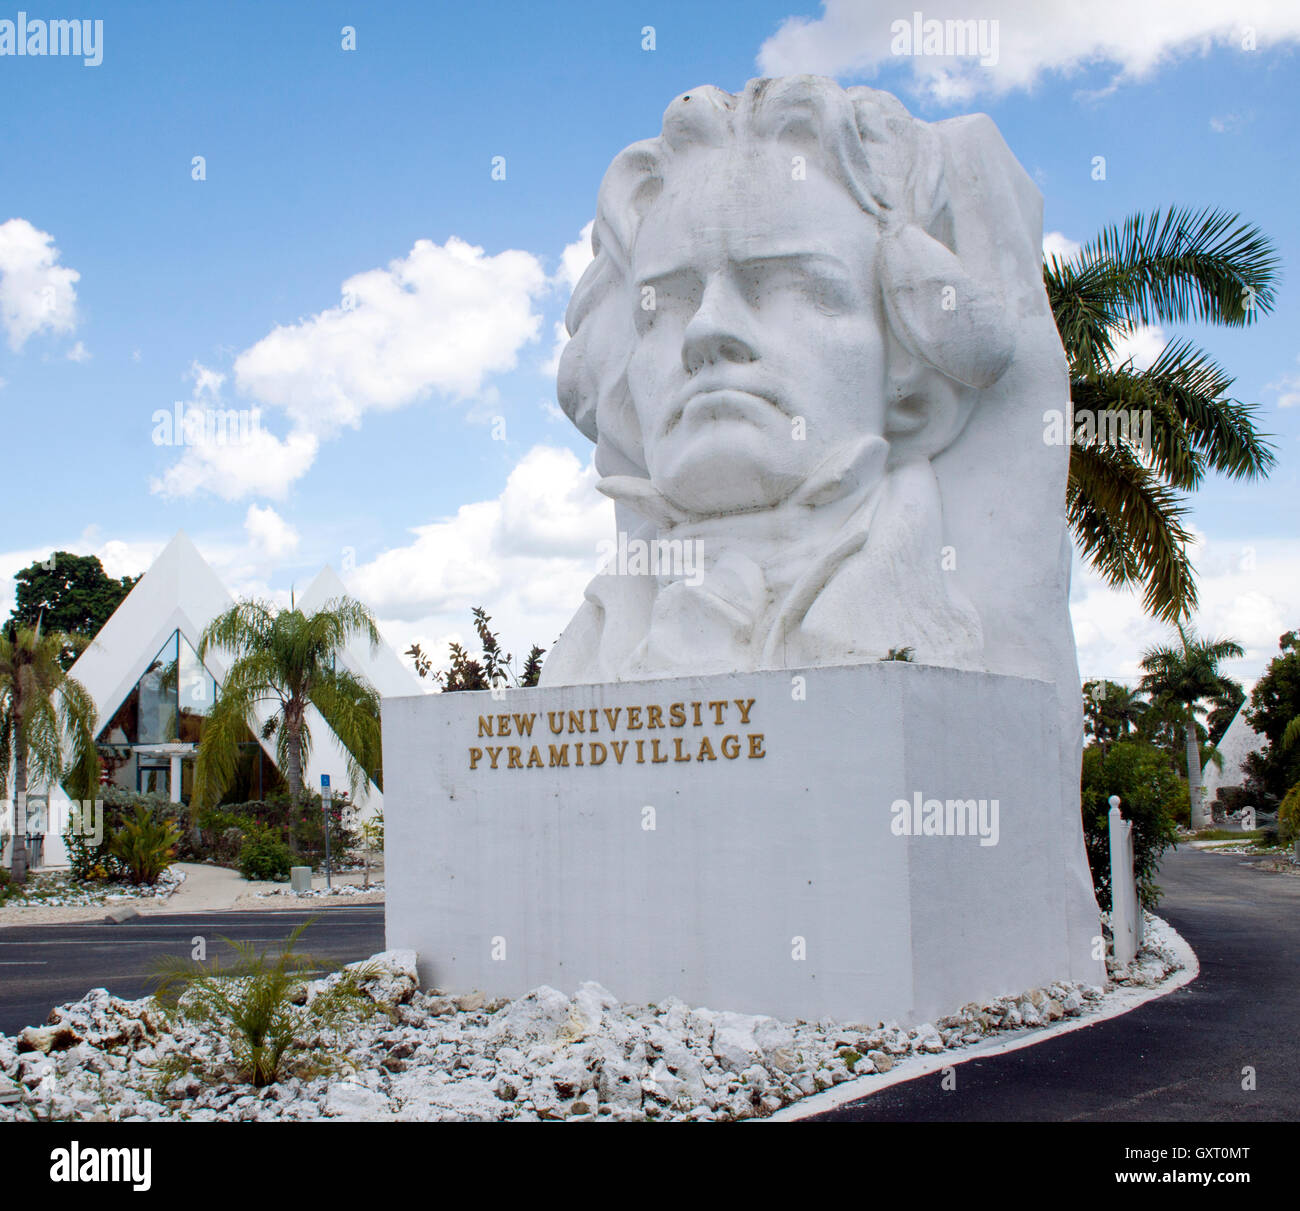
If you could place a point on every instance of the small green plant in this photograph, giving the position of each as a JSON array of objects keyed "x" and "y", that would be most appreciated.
[
  {"x": 850, "y": 1057},
  {"x": 372, "y": 840},
  {"x": 904, "y": 654},
  {"x": 263, "y": 855},
  {"x": 1288, "y": 816},
  {"x": 145, "y": 846},
  {"x": 260, "y": 1003}
]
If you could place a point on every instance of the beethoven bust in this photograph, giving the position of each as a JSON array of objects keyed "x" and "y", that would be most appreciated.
[{"x": 774, "y": 340}]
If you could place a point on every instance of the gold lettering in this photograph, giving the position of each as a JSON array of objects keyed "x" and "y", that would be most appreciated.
[
  {"x": 485, "y": 725},
  {"x": 633, "y": 718},
  {"x": 706, "y": 750},
  {"x": 640, "y": 752},
  {"x": 596, "y": 744},
  {"x": 677, "y": 714},
  {"x": 734, "y": 751},
  {"x": 578, "y": 749},
  {"x": 612, "y": 720},
  {"x": 593, "y": 718},
  {"x": 654, "y": 716},
  {"x": 524, "y": 725},
  {"x": 677, "y": 748},
  {"x": 745, "y": 704},
  {"x": 696, "y": 705},
  {"x": 718, "y": 708},
  {"x": 557, "y": 728},
  {"x": 576, "y": 722},
  {"x": 560, "y": 755},
  {"x": 756, "y": 744},
  {"x": 535, "y": 758},
  {"x": 513, "y": 753},
  {"x": 475, "y": 756},
  {"x": 655, "y": 758},
  {"x": 619, "y": 747},
  {"x": 503, "y": 725},
  {"x": 493, "y": 754}
]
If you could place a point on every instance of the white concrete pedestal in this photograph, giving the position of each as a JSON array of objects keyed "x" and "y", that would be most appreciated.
[{"x": 761, "y": 875}]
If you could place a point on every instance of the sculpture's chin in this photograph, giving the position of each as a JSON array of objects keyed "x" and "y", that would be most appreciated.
[{"x": 730, "y": 471}]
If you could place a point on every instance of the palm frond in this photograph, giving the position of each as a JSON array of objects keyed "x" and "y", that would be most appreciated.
[{"x": 1130, "y": 526}]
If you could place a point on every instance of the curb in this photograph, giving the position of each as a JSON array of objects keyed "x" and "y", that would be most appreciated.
[{"x": 1124, "y": 999}]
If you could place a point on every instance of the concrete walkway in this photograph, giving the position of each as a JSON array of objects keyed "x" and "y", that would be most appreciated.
[{"x": 206, "y": 889}]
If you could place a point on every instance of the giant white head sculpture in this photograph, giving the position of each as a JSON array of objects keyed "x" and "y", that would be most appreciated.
[{"x": 801, "y": 298}]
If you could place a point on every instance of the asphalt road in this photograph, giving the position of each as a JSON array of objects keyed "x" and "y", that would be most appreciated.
[
  {"x": 1177, "y": 1059},
  {"x": 46, "y": 965}
]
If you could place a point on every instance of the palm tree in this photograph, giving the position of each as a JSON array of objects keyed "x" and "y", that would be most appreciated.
[
  {"x": 1125, "y": 504},
  {"x": 1111, "y": 710},
  {"x": 44, "y": 715},
  {"x": 290, "y": 659},
  {"x": 1183, "y": 676}
]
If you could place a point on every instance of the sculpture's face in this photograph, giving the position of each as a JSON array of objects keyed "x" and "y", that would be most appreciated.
[{"x": 764, "y": 311}]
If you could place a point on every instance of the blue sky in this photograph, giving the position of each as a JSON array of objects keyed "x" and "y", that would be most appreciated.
[{"x": 420, "y": 452}]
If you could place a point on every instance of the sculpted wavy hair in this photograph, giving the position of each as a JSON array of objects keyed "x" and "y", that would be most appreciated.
[{"x": 892, "y": 165}]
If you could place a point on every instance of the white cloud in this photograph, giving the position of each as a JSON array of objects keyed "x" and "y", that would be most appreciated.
[
  {"x": 573, "y": 264},
  {"x": 78, "y": 353},
  {"x": 36, "y": 292},
  {"x": 1288, "y": 389},
  {"x": 576, "y": 257},
  {"x": 1248, "y": 592},
  {"x": 270, "y": 535},
  {"x": 1057, "y": 244},
  {"x": 261, "y": 464},
  {"x": 1144, "y": 345},
  {"x": 526, "y": 557},
  {"x": 443, "y": 318},
  {"x": 853, "y": 38},
  {"x": 241, "y": 459}
]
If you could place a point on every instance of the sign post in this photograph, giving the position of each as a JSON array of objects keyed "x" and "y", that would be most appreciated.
[{"x": 325, "y": 815}]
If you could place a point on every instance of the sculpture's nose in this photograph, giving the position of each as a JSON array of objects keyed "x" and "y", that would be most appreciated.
[{"x": 720, "y": 329}]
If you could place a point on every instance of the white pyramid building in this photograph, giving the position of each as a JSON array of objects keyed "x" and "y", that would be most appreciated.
[
  {"x": 1239, "y": 741},
  {"x": 160, "y": 622}
]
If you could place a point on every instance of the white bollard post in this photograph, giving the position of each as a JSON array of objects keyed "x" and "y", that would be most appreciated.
[{"x": 1125, "y": 912}]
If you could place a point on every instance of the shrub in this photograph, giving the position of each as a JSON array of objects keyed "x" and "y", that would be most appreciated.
[
  {"x": 261, "y": 1006},
  {"x": 1288, "y": 817},
  {"x": 1149, "y": 794},
  {"x": 263, "y": 855},
  {"x": 94, "y": 860},
  {"x": 145, "y": 846}
]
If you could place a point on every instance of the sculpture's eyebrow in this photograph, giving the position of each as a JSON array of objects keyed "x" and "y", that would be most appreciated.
[
  {"x": 815, "y": 262},
  {"x": 804, "y": 260}
]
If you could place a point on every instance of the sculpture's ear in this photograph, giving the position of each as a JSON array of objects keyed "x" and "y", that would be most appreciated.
[
  {"x": 940, "y": 313},
  {"x": 925, "y": 409}
]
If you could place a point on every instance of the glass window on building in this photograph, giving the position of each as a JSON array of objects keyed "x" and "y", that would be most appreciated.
[{"x": 169, "y": 702}]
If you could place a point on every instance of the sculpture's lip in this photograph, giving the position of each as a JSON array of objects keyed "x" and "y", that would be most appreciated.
[{"x": 723, "y": 403}]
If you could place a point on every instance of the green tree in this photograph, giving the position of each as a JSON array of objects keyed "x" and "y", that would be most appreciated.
[
  {"x": 68, "y": 593},
  {"x": 1110, "y": 710},
  {"x": 1223, "y": 709},
  {"x": 1149, "y": 792},
  {"x": 1185, "y": 676},
  {"x": 47, "y": 726},
  {"x": 289, "y": 659},
  {"x": 1126, "y": 505},
  {"x": 1274, "y": 712}
]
